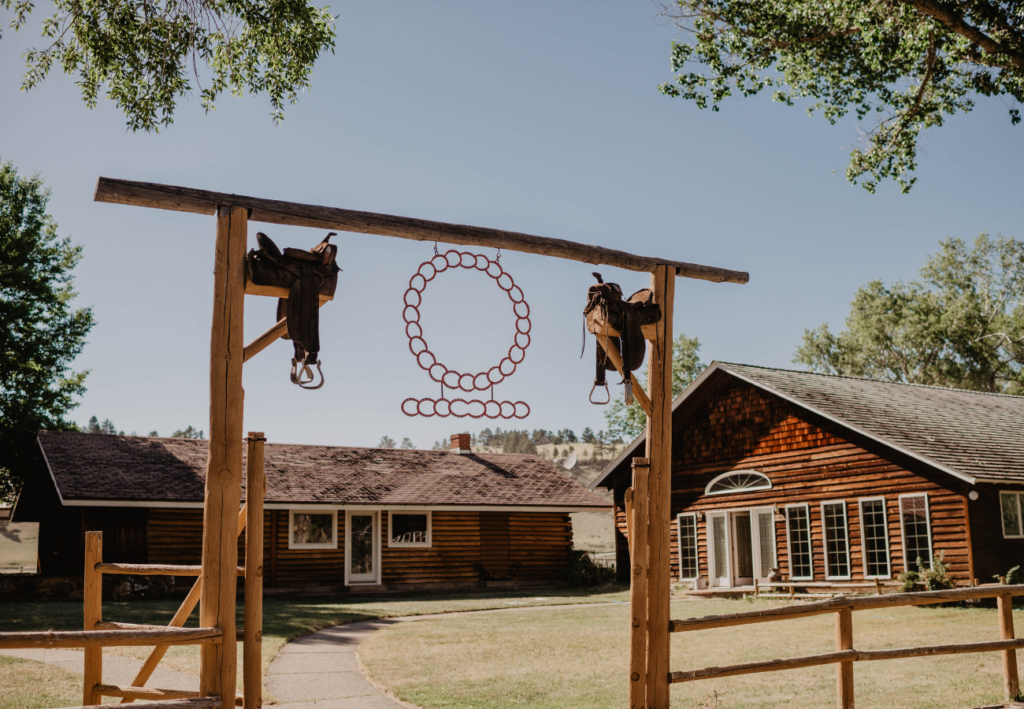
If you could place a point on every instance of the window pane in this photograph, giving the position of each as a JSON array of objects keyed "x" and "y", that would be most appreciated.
[
  {"x": 718, "y": 532},
  {"x": 362, "y": 544},
  {"x": 766, "y": 535},
  {"x": 799, "y": 543},
  {"x": 837, "y": 547},
  {"x": 915, "y": 532},
  {"x": 741, "y": 482},
  {"x": 312, "y": 528},
  {"x": 688, "y": 547},
  {"x": 1011, "y": 515},
  {"x": 409, "y": 528},
  {"x": 744, "y": 550},
  {"x": 876, "y": 549}
]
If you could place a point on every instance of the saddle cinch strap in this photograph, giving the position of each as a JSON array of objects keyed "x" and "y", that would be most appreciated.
[
  {"x": 605, "y": 309},
  {"x": 307, "y": 275}
]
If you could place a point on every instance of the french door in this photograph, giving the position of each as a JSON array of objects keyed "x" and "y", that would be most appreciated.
[
  {"x": 362, "y": 547},
  {"x": 741, "y": 546}
]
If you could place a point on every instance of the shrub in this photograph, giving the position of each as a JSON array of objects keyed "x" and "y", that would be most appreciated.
[
  {"x": 934, "y": 579},
  {"x": 909, "y": 579},
  {"x": 1013, "y": 577},
  {"x": 582, "y": 571}
]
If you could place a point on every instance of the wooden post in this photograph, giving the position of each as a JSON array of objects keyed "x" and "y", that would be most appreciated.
[
  {"x": 844, "y": 670},
  {"x": 252, "y": 647},
  {"x": 1011, "y": 683},
  {"x": 218, "y": 669},
  {"x": 638, "y": 558},
  {"x": 757, "y": 590},
  {"x": 659, "y": 451},
  {"x": 878, "y": 587},
  {"x": 92, "y": 613}
]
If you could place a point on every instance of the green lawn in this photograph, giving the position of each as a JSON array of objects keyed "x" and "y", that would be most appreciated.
[
  {"x": 284, "y": 618},
  {"x": 579, "y": 658},
  {"x": 26, "y": 684}
]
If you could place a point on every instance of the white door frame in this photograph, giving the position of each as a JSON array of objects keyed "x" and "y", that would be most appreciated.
[
  {"x": 713, "y": 580},
  {"x": 755, "y": 531},
  {"x": 350, "y": 578},
  {"x": 755, "y": 543}
]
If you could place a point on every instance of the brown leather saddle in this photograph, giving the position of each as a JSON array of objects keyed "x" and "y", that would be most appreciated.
[
  {"x": 606, "y": 308},
  {"x": 306, "y": 275}
]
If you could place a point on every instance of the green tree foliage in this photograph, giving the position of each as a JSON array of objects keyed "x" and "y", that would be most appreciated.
[
  {"x": 189, "y": 432},
  {"x": 628, "y": 422},
  {"x": 518, "y": 442},
  {"x": 407, "y": 444},
  {"x": 960, "y": 325},
  {"x": 386, "y": 442},
  {"x": 146, "y": 53},
  {"x": 41, "y": 333},
  {"x": 106, "y": 426},
  {"x": 900, "y": 66},
  {"x": 588, "y": 435}
]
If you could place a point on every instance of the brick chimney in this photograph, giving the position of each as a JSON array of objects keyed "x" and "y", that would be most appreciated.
[{"x": 460, "y": 443}]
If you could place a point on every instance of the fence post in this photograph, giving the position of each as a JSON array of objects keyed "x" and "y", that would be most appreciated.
[
  {"x": 92, "y": 613},
  {"x": 638, "y": 558},
  {"x": 844, "y": 670},
  {"x": 1010, "y": 681},
  {"x": 252, "y": 641}
]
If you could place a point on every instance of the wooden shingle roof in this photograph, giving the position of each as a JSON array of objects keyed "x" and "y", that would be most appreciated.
[
  {"x": 972, "y": 435},
  {"x": 95, "y": 467}
]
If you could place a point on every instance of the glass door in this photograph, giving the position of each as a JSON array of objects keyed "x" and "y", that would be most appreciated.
[
  {"x": 718, "y": 549},
  {"x": 362, "y": 542},
  {"x": 743, "y": 552},
  {"x": 764, "y": 542}
]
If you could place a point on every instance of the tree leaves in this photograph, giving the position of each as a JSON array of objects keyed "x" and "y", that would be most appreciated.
[
  {"x": 146, "y": 53},
  {"x": 900, "y": 66},
  {"x": 961, "y": 325}
]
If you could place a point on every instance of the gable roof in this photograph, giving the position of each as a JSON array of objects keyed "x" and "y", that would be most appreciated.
[
  {"x": 974, "y": 436},
  {"x": 90, "y": 468}
]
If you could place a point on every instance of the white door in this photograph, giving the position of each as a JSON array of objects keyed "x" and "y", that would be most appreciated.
[
  {"x": 763, "y": 536},
  {"x": 718, "y": 549},
  {"x": 362, "y": 547}
]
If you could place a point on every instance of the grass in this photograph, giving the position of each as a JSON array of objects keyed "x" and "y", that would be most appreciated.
[
  {"x": 593, "y": 531},
  {"x": 284, "y": 618},
  {"x": 579, "y": 658},
  {"x": 18, "y": 545},
  {"x": 27, "y": 685}
]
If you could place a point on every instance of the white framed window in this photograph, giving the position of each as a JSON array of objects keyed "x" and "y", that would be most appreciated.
[
  {"x": 798, "y": 542},
  {"x": 686, "y": 525},
  {"x": 836, "y": 532},
  {"x": 312, "y": 529},
  {"x": 917, "y": 530},
  {"x": 1010, "y": 506},
  {"x": 738, "y": 481},
  {"x": 874, "y": 537},
  {"x": 410, "y": 529}
]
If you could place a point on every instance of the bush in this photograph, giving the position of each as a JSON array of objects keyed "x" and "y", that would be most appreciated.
[
  {"x": 934, "y": 579},
  {"x": 1013, "y": 577},
  {"x": 909, "y": 579},
  {"x": 582, "y": 571}
]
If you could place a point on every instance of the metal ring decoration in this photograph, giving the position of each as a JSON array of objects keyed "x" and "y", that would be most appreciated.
[{"x": 453, "y": 379}]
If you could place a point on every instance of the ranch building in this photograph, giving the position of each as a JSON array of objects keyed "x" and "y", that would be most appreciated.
[
  {"x": 348, "y": 518},
  {"x": 829, "y": 478}
]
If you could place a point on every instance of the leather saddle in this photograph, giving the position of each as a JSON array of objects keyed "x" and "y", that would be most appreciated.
[
  {"x": 606, "y": 308},
  {"x": 306, "y": 275}
]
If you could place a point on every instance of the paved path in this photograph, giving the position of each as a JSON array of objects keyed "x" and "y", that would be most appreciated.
[{"x": 116, "y": 670}]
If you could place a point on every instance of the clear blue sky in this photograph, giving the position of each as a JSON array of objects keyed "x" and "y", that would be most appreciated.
[{"x": 537, "y": 117}]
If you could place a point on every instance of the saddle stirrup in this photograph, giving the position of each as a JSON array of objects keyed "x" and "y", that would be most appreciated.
[
  {"x": 607, "y": 393},
  {"x": 304, "y": 376}
]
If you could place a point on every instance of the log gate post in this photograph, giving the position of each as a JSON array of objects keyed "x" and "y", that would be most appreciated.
[
  {"x": 636, "y": 523},
  {"x": 252, "y": 648},
  {"x": 92, "y": 613},
  {"x": 844, "y": 670},
  {"x": 1004, "y": 605},
  {"x": 218, "y": 671}
]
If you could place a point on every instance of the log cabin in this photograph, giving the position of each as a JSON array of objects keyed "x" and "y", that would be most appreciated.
[
  {"x": 831, "y": 479},
  {"x": 363, "y": 519}
]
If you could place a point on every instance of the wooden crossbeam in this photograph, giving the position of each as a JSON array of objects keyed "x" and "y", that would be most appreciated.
[
  {"x": 110, "y": 638},
  {"x": 185, "y": 199},
  {"x": 154, "y": 569}
]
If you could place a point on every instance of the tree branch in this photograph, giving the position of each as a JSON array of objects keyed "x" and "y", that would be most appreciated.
[{"x": 957, "y": 24}]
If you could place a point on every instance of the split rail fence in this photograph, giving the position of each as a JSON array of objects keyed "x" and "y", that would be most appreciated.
[
  {"x": 845, "y": 654},
  {"x": 99, "y": 633}
]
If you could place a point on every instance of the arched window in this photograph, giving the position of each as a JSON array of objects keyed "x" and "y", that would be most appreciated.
[{"x": 738, "y": 481}]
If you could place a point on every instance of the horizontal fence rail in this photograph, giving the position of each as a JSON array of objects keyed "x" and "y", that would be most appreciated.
[
  {"x": 197, "y": 703},
  {"x": 846, "y": 655},
  {"x": 154, "y": 569},
  {"x": 156, "y": 635}
]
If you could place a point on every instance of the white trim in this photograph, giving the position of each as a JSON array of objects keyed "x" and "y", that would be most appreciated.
[
  {"x": 716, "y": 366},
  {"x": 755, "y": 512},
  {"x": 1020, "y": 521},
  {"x": 696, "y": 545},
  {"x": 928, "y": 523},
  {"x": 376, "y": 549},
  {"x": 741, "y": 471},
  {"x": 789, "y": 543},
  {"x": 824, "y": 538},
  {"x": 709, "y": 518},
  {"x": 863, "y": 541},
  {"x": 410, "y": 545},
  {"x": 333, "y": 544}
]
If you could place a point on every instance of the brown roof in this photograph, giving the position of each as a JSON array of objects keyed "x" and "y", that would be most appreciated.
[
  {"x": 972, "y": 435},
  {"x": 97, "y": 467}
]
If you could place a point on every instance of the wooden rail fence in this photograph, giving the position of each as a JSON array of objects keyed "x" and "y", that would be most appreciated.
[
  {"x": 98, "y": 633},
  {"x": 845, "y": 654}
]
